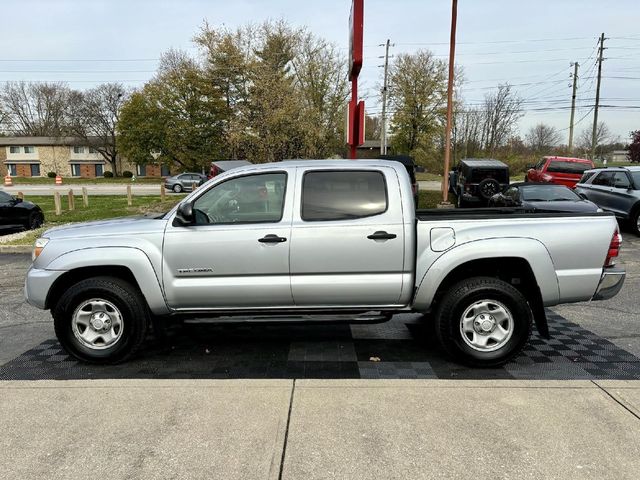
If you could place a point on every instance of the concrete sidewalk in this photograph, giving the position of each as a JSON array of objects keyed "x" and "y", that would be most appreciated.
[{"x": 307, "y": 429}]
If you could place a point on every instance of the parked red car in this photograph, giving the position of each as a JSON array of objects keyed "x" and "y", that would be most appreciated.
[{"x": 559, "y": 170}]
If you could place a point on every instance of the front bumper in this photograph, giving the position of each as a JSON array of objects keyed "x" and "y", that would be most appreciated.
[
  {"x": 37, "y": 285},
  {"x": 610, "y": 284}
]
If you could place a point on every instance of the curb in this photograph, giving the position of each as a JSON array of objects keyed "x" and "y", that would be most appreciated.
[{"x": 16, "y": 248}]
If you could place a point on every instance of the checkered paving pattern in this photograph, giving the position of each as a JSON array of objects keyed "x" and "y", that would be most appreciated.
[{"x": 404, "y": 347}]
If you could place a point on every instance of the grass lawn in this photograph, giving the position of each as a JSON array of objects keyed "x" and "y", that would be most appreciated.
[
  {"x": 76, "y": 180},
  {"x": 100, "y": 207},
  {"x": 426, "y": 176}
]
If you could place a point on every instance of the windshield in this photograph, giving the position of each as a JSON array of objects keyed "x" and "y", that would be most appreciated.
[
  {"x": 547, "y": 193},
  {"x": 558, "y": 166}
]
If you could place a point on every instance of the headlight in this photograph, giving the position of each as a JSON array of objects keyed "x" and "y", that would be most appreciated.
[{"x": 38, "y": 247}]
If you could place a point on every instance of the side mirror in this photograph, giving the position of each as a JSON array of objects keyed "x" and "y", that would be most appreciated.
[{"x": 184, "y": 214}]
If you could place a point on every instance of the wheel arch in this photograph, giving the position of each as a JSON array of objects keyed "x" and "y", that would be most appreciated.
[
  {"x": 522, "y": 262},
  {"x": 132, "y": 265}
]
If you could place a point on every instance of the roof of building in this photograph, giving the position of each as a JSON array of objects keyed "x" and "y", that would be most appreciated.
[{"x": 48, "y": 141}]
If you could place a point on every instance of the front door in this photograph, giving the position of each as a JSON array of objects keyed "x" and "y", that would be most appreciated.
[
  {"x": 347, "y": 240},
  {"x": 236, "y": 254}
]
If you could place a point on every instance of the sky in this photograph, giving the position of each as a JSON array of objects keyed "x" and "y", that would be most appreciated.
[{"x": 529, "y": 44}]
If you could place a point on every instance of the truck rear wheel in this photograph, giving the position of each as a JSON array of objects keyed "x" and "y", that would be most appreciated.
[
  {"x": 101, "y": 320},
  {"x": 483, "y": 322}
]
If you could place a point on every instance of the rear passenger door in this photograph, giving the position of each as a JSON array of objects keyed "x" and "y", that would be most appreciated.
[
  {"x": 347, "y": 238},
  {"x": 599, "y": 189}
]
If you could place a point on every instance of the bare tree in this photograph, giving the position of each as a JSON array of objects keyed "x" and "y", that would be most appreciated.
[
  {"x": 603, "y": 135},
  {"x": 501, "y": 112},
  {"x": 469, "y": 129},
  {"x": 35, "y": 109},
  {"x": 542, "y": 137},
  {"x": 94, "y": 117}
]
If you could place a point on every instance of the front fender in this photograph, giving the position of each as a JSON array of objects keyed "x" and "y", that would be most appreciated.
[
  {"x": 131, "y": 258},
  {"x": 533, "y": 251}
]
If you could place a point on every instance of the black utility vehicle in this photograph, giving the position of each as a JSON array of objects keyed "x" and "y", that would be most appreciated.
[{"x": 475, "y": 180}]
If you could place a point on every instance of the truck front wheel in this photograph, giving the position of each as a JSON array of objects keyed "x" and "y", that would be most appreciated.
[
  {"x": 483, "y": 322},
  {"x": 101, "y": 320}
]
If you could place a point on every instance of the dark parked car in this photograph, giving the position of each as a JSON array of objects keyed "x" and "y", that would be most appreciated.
[
  {"x": 476, "y": 180},
  {"x": 614, "y": 190},
  {"x": 542, "y": 197},
  {"x": 184, "y": 181},
  {"x": 16, "y": 213}
]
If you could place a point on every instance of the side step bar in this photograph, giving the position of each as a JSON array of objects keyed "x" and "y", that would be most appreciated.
[{"x": 367, "y": 317}]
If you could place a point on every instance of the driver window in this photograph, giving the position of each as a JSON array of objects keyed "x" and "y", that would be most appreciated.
[{"x": 249, "y": 199}]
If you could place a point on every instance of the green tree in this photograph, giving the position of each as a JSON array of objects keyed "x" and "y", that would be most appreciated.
[{"x": 179, "y": 113}]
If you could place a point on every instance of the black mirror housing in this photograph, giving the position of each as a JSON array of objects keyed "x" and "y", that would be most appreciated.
[{"x": 184, "y": 214}]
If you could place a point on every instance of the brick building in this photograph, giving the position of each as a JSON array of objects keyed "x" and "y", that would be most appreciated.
[{"x": 66, "y": 156}]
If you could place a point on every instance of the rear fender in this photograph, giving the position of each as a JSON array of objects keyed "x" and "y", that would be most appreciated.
[{"x": 533, "y": 251}]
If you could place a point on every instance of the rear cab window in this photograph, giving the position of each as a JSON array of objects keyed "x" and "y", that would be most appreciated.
[{"x": 343, "y": 195}]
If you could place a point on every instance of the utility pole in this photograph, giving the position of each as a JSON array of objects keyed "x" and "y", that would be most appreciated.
[
  {"x": 573, "y": 104},
  {"x": 595, "y": 112},
  {"x": 383, "y": 123},
  {"x": 447, "y": 140}
]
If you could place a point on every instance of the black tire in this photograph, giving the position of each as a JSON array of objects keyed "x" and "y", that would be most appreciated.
[
  {"x": 177, "y": 188},
  {"x": 34, "y": 221},
  {"x": 488, "y": 188},
  {"x": 459, "y": 298},
  {"x": 128, "y": 300}
]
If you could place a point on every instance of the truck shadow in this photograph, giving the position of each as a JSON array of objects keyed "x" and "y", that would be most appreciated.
[{"x": 403, "y": 348}]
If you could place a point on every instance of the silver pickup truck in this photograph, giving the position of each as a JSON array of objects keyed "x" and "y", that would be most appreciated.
[{"x": 318, "y": 240}]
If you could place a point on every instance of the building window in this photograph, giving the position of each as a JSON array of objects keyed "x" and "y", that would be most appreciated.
[
  {"x": 75, "y": 170},
  {"x": 35, "y": 169},
  {"x": 141, "y": 170},
  {"x": 92, "y": 150},
  {"x": 14, "y": 149},
  {"x": 78, "y": 149},
  {"x": 164, "y": 171},
  {"x": 99, "y": 170},
  {"x": 11, "y": 167},
  {"x": 29, "y": 149}
]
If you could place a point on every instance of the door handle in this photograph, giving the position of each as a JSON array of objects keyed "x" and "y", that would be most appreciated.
[
  {"x": 381, "y": 235},
  {"x": 271, "y": 238}
]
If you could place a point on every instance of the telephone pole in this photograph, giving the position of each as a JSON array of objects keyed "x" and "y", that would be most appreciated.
[
  {"x": 573, "y": 104},
  {"x": 595, "y": 112},
  {"x": 383, "y": 123},
  {"x": 447, "y": 130}
]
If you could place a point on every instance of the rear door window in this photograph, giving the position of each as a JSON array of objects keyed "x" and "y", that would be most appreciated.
[
  {"x": 604, "y": 179},
  {"x": 343, "y": 195}
]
